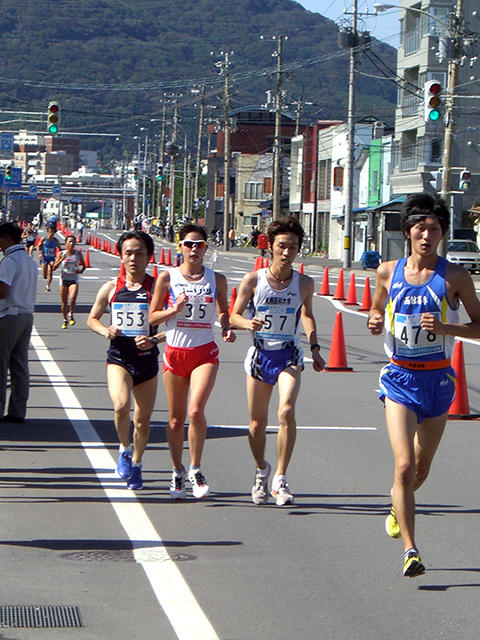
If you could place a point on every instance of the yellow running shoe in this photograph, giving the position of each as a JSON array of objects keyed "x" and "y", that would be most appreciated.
[
  {"x": 391, "y": 525},
  {"x": 413, "y": 565},
  {"x": 71, "y": 321},
  {"x": 64, "y": 325}
]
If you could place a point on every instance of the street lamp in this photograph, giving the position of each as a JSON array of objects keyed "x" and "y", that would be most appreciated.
[{"x": 379, "y": 7}]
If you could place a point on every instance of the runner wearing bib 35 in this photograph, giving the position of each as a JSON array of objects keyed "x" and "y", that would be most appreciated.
[
  {"x": 187, "y": 299},
  {"x": 132, "y": 357},
  {"x": 278, "y": 297},
  {"x": 416, "y": 302}
]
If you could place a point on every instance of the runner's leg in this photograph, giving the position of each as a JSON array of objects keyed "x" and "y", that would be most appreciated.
[
  {"x": 120, "y": 385},
  {"x": 288, "y": 388},
  {"x": 202, "y": 380},
  {"x": 258, "y": 398},
  {"x": 176, "y": 390},
  {"x": 144, "y": 401}
]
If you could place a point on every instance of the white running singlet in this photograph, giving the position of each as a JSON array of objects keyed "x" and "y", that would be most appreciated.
[{"x": 193, "y": 326}]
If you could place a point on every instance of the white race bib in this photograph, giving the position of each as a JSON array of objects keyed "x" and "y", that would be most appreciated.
[
  {"x": 411, "y": 340},
  {"x": 131, "y": 318},
  {"x": 279, "y": 322}
]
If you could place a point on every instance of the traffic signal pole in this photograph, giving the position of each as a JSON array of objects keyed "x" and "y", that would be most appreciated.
[{"x": 452, "y": 75}]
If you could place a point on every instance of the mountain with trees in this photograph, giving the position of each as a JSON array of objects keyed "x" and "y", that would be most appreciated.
[{"x": 112, "y": 64}]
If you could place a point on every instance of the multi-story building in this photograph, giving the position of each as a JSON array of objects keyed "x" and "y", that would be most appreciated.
[{"x": 426, "y": 27}]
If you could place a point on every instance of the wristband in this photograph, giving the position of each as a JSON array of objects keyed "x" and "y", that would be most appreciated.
[
  {"x": 226, "y": 329},
  {"x": 314, "y": 346},
  {"x": 154, "y": 339}
]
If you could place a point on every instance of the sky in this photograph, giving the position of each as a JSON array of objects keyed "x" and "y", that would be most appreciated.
[{"x": 383, "y": 26}]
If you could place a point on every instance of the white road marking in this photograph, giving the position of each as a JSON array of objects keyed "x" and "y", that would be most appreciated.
[
  {"x": 170, "y": 588},
  {"x": 244, "y": 427}
]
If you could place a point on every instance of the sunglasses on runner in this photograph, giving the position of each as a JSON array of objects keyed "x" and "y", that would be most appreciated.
[{"x": 200, "y": 244}]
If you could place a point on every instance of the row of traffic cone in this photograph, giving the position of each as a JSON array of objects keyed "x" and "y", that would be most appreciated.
[{"x": 351, "y": 298}]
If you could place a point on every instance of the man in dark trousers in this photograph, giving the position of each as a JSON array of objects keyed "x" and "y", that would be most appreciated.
[{"x": 18, "y": 286}]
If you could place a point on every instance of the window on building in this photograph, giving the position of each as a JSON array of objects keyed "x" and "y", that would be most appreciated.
[
  {"x": 324, "y": 179},
  {"x": 253, "y": 191},
  {"x": 437, "y": 146},
  {"x": 250, "y": 221}
]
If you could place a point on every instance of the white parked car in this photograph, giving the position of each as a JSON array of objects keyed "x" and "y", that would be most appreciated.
[{"x": 464, "y": 252}]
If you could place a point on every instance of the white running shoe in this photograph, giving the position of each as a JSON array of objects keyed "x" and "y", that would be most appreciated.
[
  {"x": 260, "y": 488},
  {"x": 282, "y": 494},
  {"x": 200, "y": 488},
  {"x": 177, "y": 486}
]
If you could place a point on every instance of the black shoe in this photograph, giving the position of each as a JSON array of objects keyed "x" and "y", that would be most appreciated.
[{"x": 12, "y": 419}]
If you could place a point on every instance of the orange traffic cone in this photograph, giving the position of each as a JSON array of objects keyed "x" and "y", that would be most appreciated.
[
  {"x": 233, "y": 297},
  {"x": 367, "y": 296},
  {"x": 460, "y": 408},
  {"x": 168, "y": 260},
  {"x": 352, "y": 291},
  {"x": 162, "y": 257},
  {"x": 340, "y": 289},
  {"x": 152, "y": 258},
  {"x": 87, "y": 259},
  {"x": 337, "y": 360},
  {"x": 257, "y": 263},
  {"x": 325, "y": 288},
  {"x": 155, "y": 272},
  {"x": 266, "y": 264},
  {"x": 122, "y": 270},
  {"x": 300, "y": 268}
]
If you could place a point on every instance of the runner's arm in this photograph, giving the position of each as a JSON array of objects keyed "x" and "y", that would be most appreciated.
[
  {"x": 245, "y": 294},
  {"x": 376, "y": 315},
  {"x": 158, "y": 313},
  {"x": 228, "y": 335},
  {"x": 96, "y": 312},
  {"x": 465, "y": 291},
  {"x": 308, "y": 322}
]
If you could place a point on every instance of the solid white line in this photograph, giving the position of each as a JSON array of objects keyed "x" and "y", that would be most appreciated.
[{"x": 168, "y": 584}]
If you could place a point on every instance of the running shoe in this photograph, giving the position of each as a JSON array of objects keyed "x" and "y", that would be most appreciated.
[
  {"x": 124, "y": 464},
  {"x": 282, "y": 494},
  {"x": 71, "y": 321},
  {"x": 47, "y": 288},
  {"x": 64, "y": 324},
  {"x": 413, "y": 565},
  {"x": 391, "y": 525},
  {"x": 260, "y": 488},
  {"x": 177, "y": 486},
  {"x": 135, "y": 478},
  {"x": 200, "y": 488}
]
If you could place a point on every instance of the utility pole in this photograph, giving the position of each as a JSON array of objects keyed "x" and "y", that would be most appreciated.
[
  {"x": 348, "y": 222},
  {"x": 298, "y": 115},
  {"x": 452, "y": 75},
  {"x": 225, "y": 66},
  {"x": 184, "y": 190},
  {"x": 277, "y": 147},
  {"x": 172, "y": 163},
  {"x": 161, "y": 156},
  {"x": 198, "y": 159}
]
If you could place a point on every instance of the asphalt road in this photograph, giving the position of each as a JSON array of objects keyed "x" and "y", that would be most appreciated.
[{"x": 136, "y": 565}]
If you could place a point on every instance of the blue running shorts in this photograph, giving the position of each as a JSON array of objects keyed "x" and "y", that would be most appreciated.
[
  {"x": 427, "y": 393},
  {"x": 266, "y": 365}
]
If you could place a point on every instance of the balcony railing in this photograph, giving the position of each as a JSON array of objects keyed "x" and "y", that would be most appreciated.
[
  {"x": 412, "y": 42},
  {"x": 410, "y": 105},
  {"x": 409, "y": 160}
]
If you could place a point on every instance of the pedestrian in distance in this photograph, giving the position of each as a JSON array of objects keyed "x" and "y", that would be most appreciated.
[
  {"x": 186, "y": 299},
  {"x": 18, "y": 285},
  {"x": 277, "y": 297},
  {"x": 415, "y": 304},
  {"x": 47, "y": 250},
  {"x": 29, "y": 236},
  {"x": 73, "y": 264},
  {"x": 132, "y": 356}
]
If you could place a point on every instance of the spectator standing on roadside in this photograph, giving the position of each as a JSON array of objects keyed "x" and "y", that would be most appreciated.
[{"x": 18, "y": 285}]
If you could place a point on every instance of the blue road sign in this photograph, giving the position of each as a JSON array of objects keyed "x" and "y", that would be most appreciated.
[
  {"x": 56, "y": 191},
  {"x": 32, "y": 189},
  {"x": 6, "y": 142}
]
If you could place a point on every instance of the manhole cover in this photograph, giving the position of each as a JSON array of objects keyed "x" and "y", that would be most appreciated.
[{"x": 127, "y": 555}]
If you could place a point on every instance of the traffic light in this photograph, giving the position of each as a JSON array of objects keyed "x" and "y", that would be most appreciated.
[
  {"x": 53, "y": 118},
  {"x": 159, "y": 173},
  {"x": 432, "y": 100},
  {"x": 8, "y": 173},
  {"x": 465, "y": 177},
  {"x": 135, "y": 174}
]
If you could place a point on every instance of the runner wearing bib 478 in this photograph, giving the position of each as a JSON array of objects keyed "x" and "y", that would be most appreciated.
[{"x": 416, "y": 302}]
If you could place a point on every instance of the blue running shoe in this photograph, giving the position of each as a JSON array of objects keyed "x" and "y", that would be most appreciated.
[
  {"x": 124, "y": 464},
  {"x": 135, "y": 480}
]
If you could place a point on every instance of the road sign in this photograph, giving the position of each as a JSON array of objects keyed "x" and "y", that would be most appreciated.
[
  {"x": 6, "y": 142},
  {"x": 15, "y": 181},
  {"x": 32, "y": 189},
  {"x": 56, "y": 191},
  {"x": 22, "y": 196}
]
